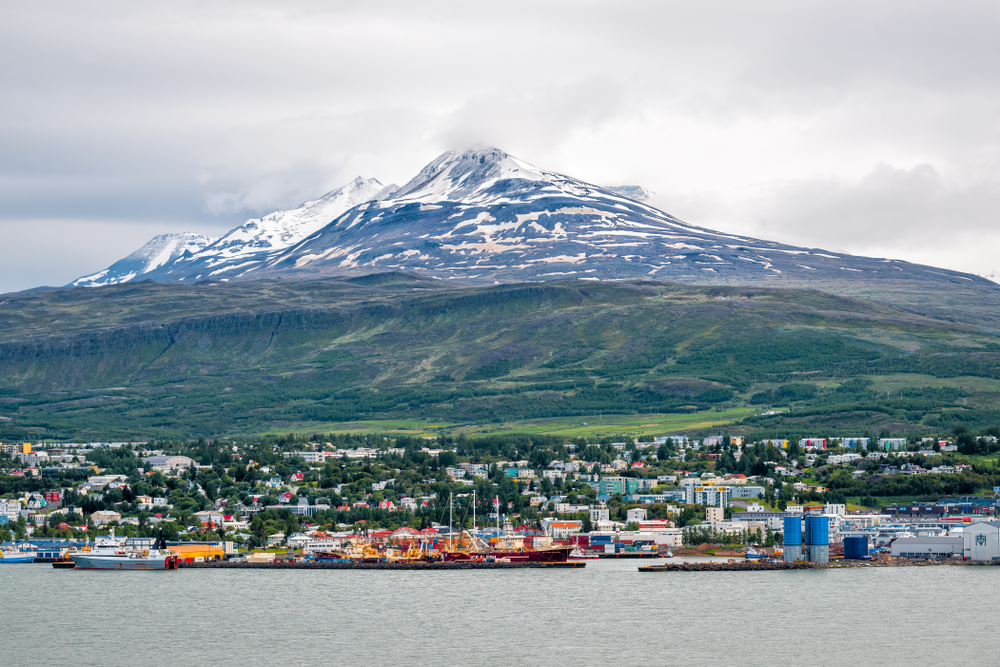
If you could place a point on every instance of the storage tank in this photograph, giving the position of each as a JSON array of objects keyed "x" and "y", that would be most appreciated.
[
  {"x": 793, "y": 552},
  {"x": 855, "y": 547},
  {"x": 818, "y": 539},
  {"x": 817, "y": 530},
  {"x": 793, "y": 531},
  {"x": 819, "y": 553}
]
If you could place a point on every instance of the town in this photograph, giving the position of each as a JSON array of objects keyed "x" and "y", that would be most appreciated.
[{"x": 296, "y": 496}]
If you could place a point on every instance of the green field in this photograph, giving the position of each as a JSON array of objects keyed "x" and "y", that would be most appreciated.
[{"x": 570, "y": 427}]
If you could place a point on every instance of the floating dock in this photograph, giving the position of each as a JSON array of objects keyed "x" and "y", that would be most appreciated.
[{"x": 341, "y": 565}]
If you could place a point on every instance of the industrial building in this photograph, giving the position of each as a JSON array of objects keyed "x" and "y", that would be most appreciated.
[
  {"x": 982, "y": 541},
  {"x": 928, "y": 547}
]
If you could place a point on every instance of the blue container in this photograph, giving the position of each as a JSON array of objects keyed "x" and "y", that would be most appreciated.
[
  {"x": 855, "y": 547},
  {"x": 817, "y": 530},
  {"x": 600, "y": 539},
  {"x": 793, "y": 530}
]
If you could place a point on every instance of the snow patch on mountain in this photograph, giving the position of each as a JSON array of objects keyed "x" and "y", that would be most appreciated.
[
  {"x": 160, "y": 251},
  {"x": 282, "y": 229},
  {"x": 636, "y": 192}
]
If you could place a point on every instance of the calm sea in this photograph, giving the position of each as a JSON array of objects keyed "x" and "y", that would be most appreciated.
[{"x": 607, "y": 614}]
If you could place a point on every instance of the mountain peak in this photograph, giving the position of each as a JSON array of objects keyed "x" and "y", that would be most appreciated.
[
  {"x": 457, "y": 176},
  {"x": 159, "y": 251}
]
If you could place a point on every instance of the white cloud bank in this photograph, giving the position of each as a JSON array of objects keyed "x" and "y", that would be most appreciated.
[{"x": 870, "y": 128}]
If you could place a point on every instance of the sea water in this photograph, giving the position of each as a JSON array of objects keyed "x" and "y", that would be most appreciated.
[{"x": 607, "y": 613}]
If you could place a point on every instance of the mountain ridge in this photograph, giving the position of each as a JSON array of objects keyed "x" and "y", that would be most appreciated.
[{"x": 485, "y": 217}]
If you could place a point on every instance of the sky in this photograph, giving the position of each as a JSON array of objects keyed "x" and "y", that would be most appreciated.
[{"x": 868, "y": 128}]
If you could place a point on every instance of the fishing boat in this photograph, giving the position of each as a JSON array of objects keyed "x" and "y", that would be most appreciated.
[
  {"x": 109, "y": 553},
  {"x": 15, "y": 555},
  {"x": 754, "y": 554}
]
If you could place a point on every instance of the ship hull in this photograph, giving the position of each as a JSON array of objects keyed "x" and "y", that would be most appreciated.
[
  {"x": 17, "y": 559},
  {"x": 84, "y": 562},
  {"x": 543, "y": 556}
]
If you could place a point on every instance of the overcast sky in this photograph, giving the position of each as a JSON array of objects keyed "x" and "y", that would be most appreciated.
[{"x": 871, "y": 128}]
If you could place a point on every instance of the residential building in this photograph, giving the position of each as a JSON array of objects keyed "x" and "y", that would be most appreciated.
[
  {"x": 742, "y": 491},
  {"x": 309, "y": 457},
  {"x": 635, "y": 515},
  {"x": 14, "y": 449},
  {"x": 886, "y": 444},
  {"x": 599, "y": 514},
  {"x": 168, "y": 462},
  {"x": 102, "y": 517},
  {"x": 32, "y": 459}
]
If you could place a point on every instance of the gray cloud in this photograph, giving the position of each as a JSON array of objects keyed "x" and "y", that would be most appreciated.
[{"x": 761, "y": 117}]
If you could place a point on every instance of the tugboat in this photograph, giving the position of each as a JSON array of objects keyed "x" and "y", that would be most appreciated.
[{"x": 111, "y": 554}]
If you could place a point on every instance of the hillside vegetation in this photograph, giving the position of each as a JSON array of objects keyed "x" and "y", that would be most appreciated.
[{"x": 157, "y": 360}]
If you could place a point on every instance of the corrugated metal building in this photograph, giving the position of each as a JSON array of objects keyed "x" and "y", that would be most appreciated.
[
  {"x": 927, "y": 547},
  {"x": 982, "y": 541}
]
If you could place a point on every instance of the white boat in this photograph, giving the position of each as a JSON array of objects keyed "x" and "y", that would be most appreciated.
[
  {"x": 111, "y": 554},
  {"x": 576, "y": 554}
]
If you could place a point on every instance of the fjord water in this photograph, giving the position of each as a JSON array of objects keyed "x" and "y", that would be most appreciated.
[{"x": 608, "y": 613}]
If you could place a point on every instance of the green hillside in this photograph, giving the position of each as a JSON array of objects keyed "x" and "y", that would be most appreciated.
[{"x": 146, "y": 359}]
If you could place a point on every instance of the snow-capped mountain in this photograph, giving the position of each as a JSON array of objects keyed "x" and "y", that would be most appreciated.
[
  {"x": 244, "y": 245},
  {"x": 178, "y": 256},
  {"x": 161, "y": 250},
  {"x": 486, "y": 216}
]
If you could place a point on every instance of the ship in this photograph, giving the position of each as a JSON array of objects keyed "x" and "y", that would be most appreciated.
[
  {"x": 109, "y": 553},
  {"x": 15, "y": 555},
  {"x": 509, "y": 549}
]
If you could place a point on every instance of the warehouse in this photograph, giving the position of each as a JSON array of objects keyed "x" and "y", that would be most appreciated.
[
  {"x": 927, "y": 547},
  {"x": 982, "y": 541}
]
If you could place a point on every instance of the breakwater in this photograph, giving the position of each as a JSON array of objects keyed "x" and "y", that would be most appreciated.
[
  {"x": 739, "y": 566},
  {"x": 341, "y": 565}
]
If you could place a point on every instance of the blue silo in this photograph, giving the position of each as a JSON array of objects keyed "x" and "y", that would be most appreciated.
[{"x": 793, "y": 539}]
